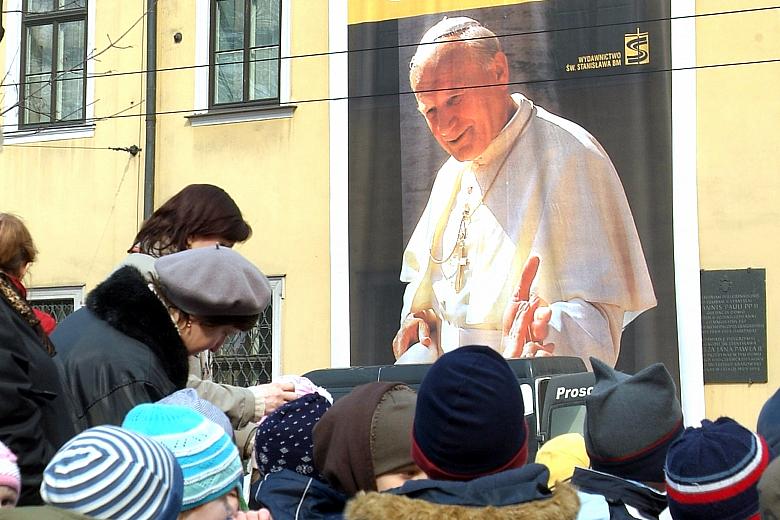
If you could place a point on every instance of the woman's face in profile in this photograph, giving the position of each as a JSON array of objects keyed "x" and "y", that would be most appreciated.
[{"x": 198, "y": 336}]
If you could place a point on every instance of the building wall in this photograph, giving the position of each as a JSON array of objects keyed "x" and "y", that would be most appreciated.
[
  {"x": 738, "y": 109},
  {"x": 276, "y": 170},
  {"x": 81, "y": 205},
  {"x": 84, "y": 206}
]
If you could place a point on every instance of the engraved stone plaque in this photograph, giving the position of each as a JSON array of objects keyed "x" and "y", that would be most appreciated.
[{"x": 733, "y": 322}]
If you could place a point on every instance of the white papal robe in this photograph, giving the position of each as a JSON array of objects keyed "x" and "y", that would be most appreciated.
[{"x": 551, "y": 191}]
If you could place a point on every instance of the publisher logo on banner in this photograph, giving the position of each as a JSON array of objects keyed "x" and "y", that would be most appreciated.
[{"x": 637, "y": 48}]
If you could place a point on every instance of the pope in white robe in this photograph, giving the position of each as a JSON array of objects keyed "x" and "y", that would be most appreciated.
[{"x": 521, "y": 182}]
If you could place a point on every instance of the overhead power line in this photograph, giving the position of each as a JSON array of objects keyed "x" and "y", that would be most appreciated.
[
  {"x": 99, "y": 75},
  {"x": 410, "y": 92}
]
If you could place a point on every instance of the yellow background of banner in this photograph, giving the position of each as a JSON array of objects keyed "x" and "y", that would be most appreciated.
[{"x": 361, "y": 11}]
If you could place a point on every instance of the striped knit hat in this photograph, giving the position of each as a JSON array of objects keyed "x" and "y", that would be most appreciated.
[
  {"x": 713, "y": 471},
  {"x": 112, "y": 473},
  {"x": 9, "y": 471},
  {"x": 208, "y": 458}
]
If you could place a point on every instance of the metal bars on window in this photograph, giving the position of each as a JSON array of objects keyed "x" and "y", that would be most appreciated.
[
  {"x": 245, "y": 43},
  {"x": 246, "y": 358},
  {"x": 53, "y": 64}
]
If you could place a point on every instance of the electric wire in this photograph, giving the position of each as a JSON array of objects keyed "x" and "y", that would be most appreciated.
[
  {"x": 100, "y": 75},
  {"x": 194, "y": 112}
]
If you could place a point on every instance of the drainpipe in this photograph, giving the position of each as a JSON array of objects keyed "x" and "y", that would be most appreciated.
[{"x": 151, "y": 106}]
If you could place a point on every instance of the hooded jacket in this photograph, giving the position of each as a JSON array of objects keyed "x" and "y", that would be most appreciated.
[
  {"x": 292, "y": 496},
  {"x": 121, "y": 350},
  {"x": 517, "y": 494}
]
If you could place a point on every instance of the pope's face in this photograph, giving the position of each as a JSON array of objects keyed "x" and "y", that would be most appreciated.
[{"x": 462, "y": 118}]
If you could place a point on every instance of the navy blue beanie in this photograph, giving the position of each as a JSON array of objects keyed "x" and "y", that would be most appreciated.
[
  {"x": 284, "y": 440},
  {"x": 470, "y": 417},
  {"x": 712, "y": 472},
  {"x": 769, "y": 424}
]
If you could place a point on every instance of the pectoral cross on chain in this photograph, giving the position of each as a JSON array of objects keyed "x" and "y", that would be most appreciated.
[{"x": 463, "y": 260}]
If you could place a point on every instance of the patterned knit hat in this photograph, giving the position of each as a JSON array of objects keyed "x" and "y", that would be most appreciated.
[
  {"x": 470, "y": 418},
  {"x": 208, "y": 458},
  {"x": 188, "y": 398},
  {"x": 9, "y": 471},
  {"x": 284, "y": 440},
  {"x": 648, "y": 398},
  {"x": 110, "y": 472},
  {"x": 712, "y": 472}
]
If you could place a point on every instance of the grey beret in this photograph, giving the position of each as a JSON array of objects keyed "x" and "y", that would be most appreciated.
[{"x": 213, "y": 281}]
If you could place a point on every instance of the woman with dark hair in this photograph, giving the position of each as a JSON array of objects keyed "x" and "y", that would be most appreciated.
[
  {"x": 197, "y": 216},
  {"x": 35, "y": 414},
  {"x": 199, "y": 213},
  {"x": 131, "y": 342}
]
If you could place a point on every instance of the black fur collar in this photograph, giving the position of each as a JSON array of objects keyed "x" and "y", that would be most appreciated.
[{"x": 125, "y": 302}]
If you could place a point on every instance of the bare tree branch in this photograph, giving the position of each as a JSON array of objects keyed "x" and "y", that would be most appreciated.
[{"x": 82, "y": 64}]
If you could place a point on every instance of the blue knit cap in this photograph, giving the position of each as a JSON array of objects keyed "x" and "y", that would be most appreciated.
[
  {"x": 208, "y": 458},
  {"x": 284, "y": 440},
  {"x": 470, "y": 419},
  {"x": 712, "y": 472},
  {"x": 113, "y": 473}
]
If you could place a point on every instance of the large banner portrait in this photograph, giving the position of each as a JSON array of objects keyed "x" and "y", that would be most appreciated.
[{"x": 510, "y": 180}]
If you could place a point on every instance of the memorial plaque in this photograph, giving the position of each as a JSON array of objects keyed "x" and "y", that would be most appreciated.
[{"x": 733, "y": 325}]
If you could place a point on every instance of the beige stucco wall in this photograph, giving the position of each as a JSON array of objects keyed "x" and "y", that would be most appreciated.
[
  {"x": 84, "y": 206},
  {"x": 738, "y": 185},
  {"x": 81, "y": 204},
  {"x": 276, "y": 170}
]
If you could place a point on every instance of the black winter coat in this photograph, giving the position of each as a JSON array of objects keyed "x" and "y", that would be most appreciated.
[
  {"x": 35, "y": 415},
  {"x": 620, "y": 493},
  {"x": 121, "y": 350}
]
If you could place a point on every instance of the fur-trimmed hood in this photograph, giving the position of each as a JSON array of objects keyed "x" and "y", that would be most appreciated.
[
  {"x": 125, "y": 302},
  {"x": 562, "y": 505}
]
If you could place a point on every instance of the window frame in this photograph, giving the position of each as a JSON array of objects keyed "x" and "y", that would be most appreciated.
[
  {"x": 64, "y": 292},
  {"x": 246, "y": 61},
  {"x": 55, "y": 18}
]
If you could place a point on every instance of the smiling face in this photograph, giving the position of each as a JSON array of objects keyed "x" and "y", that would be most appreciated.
[{"x": 464, "y": 119}]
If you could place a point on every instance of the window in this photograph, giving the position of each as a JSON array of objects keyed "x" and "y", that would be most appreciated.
[
  {"x": 245, "y": 43},
  {"x": 253, "y": 357},
  {"x": 53, "y": 65},
  {"x": 57, "y": 301}
]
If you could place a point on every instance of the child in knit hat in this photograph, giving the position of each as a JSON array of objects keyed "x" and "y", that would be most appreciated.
[
  {"x": 363, "y": 443},
  {"x": 10, "y": 480},
  {"x": 469, "y": 435},
  {"x": 207, "y": 456},
  {"x": 630, "y": 422},
  {"x": 290, "y": 485},
  {"x": 712, "y": 472},
  {"x": 112, "y": 473}
]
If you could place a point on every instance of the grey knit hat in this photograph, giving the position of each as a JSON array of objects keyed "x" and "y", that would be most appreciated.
[
  {"x": 631, "y": 420},
  {"x": 213, "y": 281}
]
